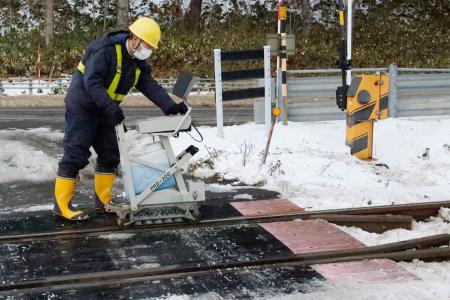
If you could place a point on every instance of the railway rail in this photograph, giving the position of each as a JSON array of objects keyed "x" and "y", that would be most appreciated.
[
  {"x": 374, "y": 219},
  {"x": 377, "y": 219},
  {"x": 425, "y": 248}
]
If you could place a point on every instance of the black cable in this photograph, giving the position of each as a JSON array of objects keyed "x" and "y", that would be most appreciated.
[{"x": 200, "y": 135}]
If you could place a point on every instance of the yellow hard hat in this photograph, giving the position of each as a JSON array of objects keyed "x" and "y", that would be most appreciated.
[{"x": 147, "y": 30}]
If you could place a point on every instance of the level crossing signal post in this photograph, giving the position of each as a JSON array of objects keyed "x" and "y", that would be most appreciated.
[{"x": 365, "y": 99}]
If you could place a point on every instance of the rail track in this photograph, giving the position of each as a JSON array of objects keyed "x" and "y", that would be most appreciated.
[
  {"x": 374, "y": 219},
  {"x": 408, "y": 250},
  {"x": 378, "y": 219}
]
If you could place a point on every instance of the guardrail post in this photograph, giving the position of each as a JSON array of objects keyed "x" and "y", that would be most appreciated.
[
  {"x": 218, "y": 88},
  {"x": 393, "y": 93},
  {"x": 60, "y": 85},
  {"x": 30, "y": 86},
  {"x": 1, "y": 86}
]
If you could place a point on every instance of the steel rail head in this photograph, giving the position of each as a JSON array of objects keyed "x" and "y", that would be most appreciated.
[
  {"x": 398, "y": 251},
  {"x": 357, "y": 216}
]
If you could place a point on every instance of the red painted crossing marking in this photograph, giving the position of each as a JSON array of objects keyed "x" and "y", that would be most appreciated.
[
  {"x": 311, "y": 236},
  {"x": 266, "y": 207},
  {"x": 303, "y": 236},
  {"x": 365, "y": 272}
]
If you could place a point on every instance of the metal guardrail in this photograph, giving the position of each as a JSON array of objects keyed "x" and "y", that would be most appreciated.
[
  {"x": 328, "y": 71},
  {"x": 412, "y": 91},
  {"x": 35, "y": 86},
  {"x": 422, "y": 94}
]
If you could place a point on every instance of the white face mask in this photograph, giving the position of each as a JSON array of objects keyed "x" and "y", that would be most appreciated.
[{"x": 142, "y": 53}]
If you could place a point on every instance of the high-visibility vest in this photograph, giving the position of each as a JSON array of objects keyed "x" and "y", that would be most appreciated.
[{"x": 115, "y": 82}]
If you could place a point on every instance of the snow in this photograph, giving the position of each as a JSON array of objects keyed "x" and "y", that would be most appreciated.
[
  {"x": 116, "y": 236},
  {"x": 438, "y": 289},
  {"x": 40, "y": 87},
  {"x": 310, "y": 164},
  {"x": 22, "y": 209},
  {"x": 28, "y": 154},
  {"x": 21, "y": 86},
  {"x": 436, "y": 225},
  {"x": 175, "y": 297},
  {"x": 435, "y": 276},
  {"x": 243, "y": 196},
  {"x": 444, "y": 213},
  {"x": 219, "y": 188}
]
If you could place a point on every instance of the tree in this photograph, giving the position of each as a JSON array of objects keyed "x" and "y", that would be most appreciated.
[
  {"x": 123, "y": 8},
  {"x": 49, "y": 23},
  {"x": 192, "y": 16},
  {"x": 306, "y": 17}
]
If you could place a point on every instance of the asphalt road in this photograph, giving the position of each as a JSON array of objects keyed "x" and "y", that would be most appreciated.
[{"x": 54, "y": 117}]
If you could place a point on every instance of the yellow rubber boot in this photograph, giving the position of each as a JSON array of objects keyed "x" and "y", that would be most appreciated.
[
  {"x": 64, "y": 189},
  {"x": 103, "y": 189}
]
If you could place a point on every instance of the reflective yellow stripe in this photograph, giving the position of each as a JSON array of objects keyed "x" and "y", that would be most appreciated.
[
  {"x": 136, "y": 76},
  {"x": 119, "y": 97},
  {"x": 115, "y": 82},
  {"x": 80, "y": 67},
  {"x": 341, "y": 18}
]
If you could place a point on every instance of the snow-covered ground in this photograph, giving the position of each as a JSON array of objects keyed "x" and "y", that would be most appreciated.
[
  {"x": 41, "y": 87},
  {"x": 29, "y": 154},
  {"x": 308, "y": 164},
  {"x": 23, "y": 86}
]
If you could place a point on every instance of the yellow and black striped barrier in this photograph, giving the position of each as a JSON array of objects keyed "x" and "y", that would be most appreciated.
[{"x": 367, "y": 102}]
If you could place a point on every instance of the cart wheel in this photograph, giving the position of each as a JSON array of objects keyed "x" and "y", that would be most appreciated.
[
  {"x": 196, "y": 214},
  {"x": 121, "y": 223}
]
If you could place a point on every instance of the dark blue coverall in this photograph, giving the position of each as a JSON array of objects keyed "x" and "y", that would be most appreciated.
[{"x": 86, "y": 101}]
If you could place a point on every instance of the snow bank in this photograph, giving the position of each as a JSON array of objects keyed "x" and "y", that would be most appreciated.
[
  {"x": 439, "y": 289},
  {"x": 436, "y": 225},
  {"x": 21, "y": 86},
  {"x": 28, "y": 154},
  {"x": 310, "y": 164}
]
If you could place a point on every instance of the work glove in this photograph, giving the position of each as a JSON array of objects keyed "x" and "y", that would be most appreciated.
[
  {"x": 114, "y": 114},
  {"x": 179, "y": 108}
]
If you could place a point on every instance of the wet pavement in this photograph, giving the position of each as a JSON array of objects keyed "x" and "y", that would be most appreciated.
[{"x": 23, "y": 118}]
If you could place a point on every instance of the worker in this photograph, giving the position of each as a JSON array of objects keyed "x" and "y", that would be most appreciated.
[{"x": 111, "y": 66}]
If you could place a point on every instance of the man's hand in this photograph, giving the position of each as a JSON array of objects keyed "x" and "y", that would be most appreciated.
[
  {"x": 114, "y": 114},
  {"x": 179, "y": 108}
]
